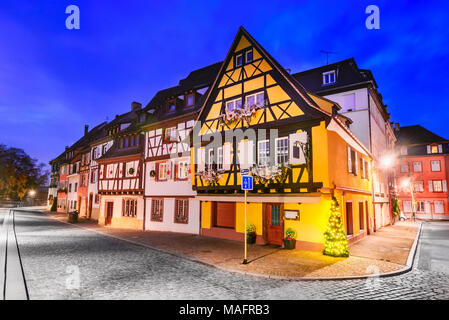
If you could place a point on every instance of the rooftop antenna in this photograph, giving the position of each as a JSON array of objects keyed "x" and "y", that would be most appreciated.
[{"x": 327, "y": 55}]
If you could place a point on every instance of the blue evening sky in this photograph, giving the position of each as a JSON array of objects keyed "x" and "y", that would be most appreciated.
[{"x": 54, "y": 80}]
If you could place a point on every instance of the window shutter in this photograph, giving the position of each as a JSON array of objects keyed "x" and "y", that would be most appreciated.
[
  {"x": 201, "y": 159},
  {"x": 250, "y": 148},
  {"x": 296, "y": 154},
  {"x": 227, "y": 156},
  {"x": 444, "y": 185},
  {"x": 356, "y": 164},
  {"x": 245, "y": 154},
  {"x": 429, "y": 149},
  {"x": 440, "y": 148},
  {"x": 430, "y": 186},
  {"x": 175, "y": 172},
  {"x": 349, "y": 160},
  {"x": 427, "y": 206}
]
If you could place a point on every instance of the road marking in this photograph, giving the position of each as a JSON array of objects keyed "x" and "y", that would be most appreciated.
[{"x": 12, "y": 279}]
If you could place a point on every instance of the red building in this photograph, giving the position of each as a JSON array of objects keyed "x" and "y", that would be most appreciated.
[{"x": 422, "y": 171}]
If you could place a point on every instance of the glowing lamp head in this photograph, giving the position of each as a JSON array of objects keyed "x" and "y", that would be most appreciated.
[
  {"x": 387, "y": 161},
  {"x": 405, "y": 183},
  {"x": 32, "y": 193}
]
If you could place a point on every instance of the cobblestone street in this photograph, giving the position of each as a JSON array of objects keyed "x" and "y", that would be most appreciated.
[{"x": 65, "y": 262}]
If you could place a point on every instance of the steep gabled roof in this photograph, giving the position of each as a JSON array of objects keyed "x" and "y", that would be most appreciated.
[
  {"x": 347, "y": 74},
  {"x": 415, "y": 135}
]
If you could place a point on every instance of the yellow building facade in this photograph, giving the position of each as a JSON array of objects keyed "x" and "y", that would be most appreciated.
[{"x": 259, "y": 121}]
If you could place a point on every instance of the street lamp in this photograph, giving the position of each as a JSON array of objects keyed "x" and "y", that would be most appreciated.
[
  {"x": 407, "y": 183},
  {"x": 32, "y": 193}
]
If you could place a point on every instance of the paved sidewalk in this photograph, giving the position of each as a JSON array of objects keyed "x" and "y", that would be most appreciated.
[{"x": 385, "y": 251}]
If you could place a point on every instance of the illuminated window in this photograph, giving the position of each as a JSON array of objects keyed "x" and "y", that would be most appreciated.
[
  {"x": 281, "y": 150},
  {"x": 263, "y": 157},
  {"x": 183, "y": 169}
]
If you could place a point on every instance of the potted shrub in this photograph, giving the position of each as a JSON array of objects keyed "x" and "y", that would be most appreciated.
[
  {"x": 251, "y": 233},
  {"x": 73, "y": 216},
  {"x": 290, "y": 239}
]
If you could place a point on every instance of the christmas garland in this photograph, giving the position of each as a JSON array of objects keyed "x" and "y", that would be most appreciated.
[
  {"x": 270, "y": 174},
  {"x": 240, "y": 114},
  {"x": 211, "y": 176}
]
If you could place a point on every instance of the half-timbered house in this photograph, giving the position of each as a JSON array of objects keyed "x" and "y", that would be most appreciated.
[
  {"x": 170, "y": 203},
  {"x": 257, "y": 118},
  {"x": 120, "y": 177}
]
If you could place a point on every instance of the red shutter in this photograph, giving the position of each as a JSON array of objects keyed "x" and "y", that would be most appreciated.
[
  {"x": 175, "y": 172},
  {"x": 157, "y": 171}
]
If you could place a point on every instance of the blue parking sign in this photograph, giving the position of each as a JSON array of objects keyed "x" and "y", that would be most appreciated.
[{"x": 247, "y": 183}]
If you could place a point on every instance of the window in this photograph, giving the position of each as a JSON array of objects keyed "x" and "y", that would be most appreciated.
[
  {"x": 239, "y": 60},
  {"x": 189, "y": 100},
  {"x": 97, "y": 198},
  {"x": 70, "y": 187},
  {"x": 220, "y": 158},
  {"x": 329, "y": 77},
  {"x": 249, "y": 56},
  {"x": 417, "y": 166},
  {"x": 421, "y": 206},
  {"x": 183, "y": 169},
  {"x": 437, "y": 186},
  {"x": 418, "y": 186},
  {"x": 171, "y": 134},
  {"x": 439, "y": 206},
  {"x": 361, "y": 216},
  {"x": 255, "y": 99},
  {"x": 181, "y": 211},
  {"x": 210, "y": 159},
  {"x": 407, "y": 206},
  {"x": 434, "y": 149},
  {"x": 403, "y": 151},
  {"x": 129, "y": 208},
  {"x": 404, "y": 167},
  {"x": 435, "y": 165},
  {"x": 157, "y": 209},
  {"x": 263, "y": 156},
  {"x": 234, "y": 104},
  {"x": 281, "y": 150},
  {"x": 76, "y": 186},
  {"x": 352, "y": 161},
  {"x": 162, "y": 171},
  {"x": 349, "y": 223}
]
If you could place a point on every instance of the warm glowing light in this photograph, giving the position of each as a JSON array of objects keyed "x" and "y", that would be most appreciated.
[
  {"x": 387, "y": 161},
  {"x": 32, "y": 193},
  {"x": 405, "y": 183}
]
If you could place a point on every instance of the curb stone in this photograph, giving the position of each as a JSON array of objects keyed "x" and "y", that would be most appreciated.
[{"x": 405, "y": 269}]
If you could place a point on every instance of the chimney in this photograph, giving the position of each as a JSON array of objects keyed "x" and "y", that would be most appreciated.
[
  {"x": 396, "y": 126},
  {"x": 86, "y": 129},
  {"x": 135, "y": 106},
  {"x": 66, "y": 148}
]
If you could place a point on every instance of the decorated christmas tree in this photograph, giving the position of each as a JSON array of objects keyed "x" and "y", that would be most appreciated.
[{"x": 335, "y": 241}]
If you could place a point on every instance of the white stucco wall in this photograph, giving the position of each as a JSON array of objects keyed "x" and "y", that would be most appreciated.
[{"x": 168, "y": 223}]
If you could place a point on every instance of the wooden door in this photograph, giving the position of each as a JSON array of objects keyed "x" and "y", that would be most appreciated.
[
  {"x": 275, "y": 230},
  {"x": 91, "y": 198},
  {"x": 361, "y": 216},
  {"x": 109, "y": 212},
  {"x": 367, "y": 217},
  {"x": 349, "y": 221},
  {"x": 224, "y": 215}
]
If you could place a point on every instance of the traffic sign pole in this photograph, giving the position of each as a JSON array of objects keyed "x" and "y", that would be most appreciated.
[{"x": 245, "y": 261}]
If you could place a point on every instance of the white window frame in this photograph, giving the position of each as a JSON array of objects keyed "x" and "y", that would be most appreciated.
[
  {"x": 403, "y": 166},
  {"x": 255, "y": 98},
  {"x": 220, "y": 158},
  {"x": 162, "y": 168},
  {"x": 414, "y": 166},
  {"x": 328, "y": 73},
  {"x": 234, "y": 104},
  {"x": 278, "y": 149},
  {"x": 420, "y": 184},
  {"x": 263, "y": 159},
  {"x": 183, "y": 169},
  {"x": 246, "y": 55},
  {"x": 237, "y": 59},
  {"x": 440, "y": 206},
  {"x": 432, "y": 162},
  {"x": 210, "y": 159}
]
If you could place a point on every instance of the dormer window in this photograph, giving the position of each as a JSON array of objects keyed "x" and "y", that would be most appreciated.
[
  {"x": 239, "y": 60},
  {"x": 249, "y": 56},
  {"x": 234, "y": 104},
  {"x": 329, "y": 77},
  {"x": 190, "y": 100}
]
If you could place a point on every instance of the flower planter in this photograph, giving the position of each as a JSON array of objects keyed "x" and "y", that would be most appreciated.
[
  {"x": 73, "y": 217},
  {"x": 289, "y": 244},
  {"x": 251, "y": 238}
]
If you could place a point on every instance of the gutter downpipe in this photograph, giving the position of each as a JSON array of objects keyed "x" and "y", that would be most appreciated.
[{"x": 372, "y": 169}]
